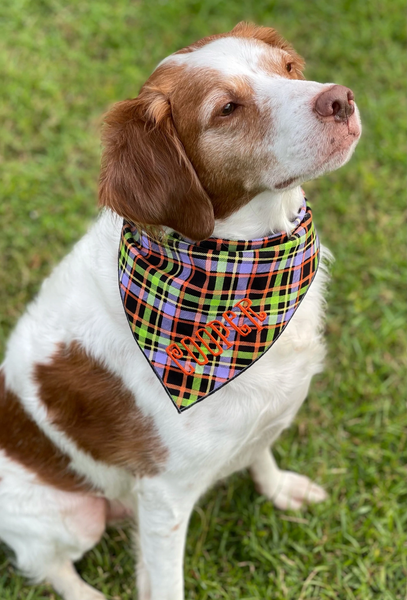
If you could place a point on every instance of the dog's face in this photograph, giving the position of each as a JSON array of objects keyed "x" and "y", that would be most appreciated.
[{"x": 217, "y": 123}]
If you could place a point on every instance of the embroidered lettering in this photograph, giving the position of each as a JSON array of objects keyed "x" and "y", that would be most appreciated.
[
  {"x": 244, "y": 306},
  {"x": 220, "y": 329},
  {"x": 212, "y": 339},
  {"x": 175, "y": 352},
  {"x": 229, "y": 315},
  {"x": 192, "y": 355},
  {"x": 215, "y": 327}
]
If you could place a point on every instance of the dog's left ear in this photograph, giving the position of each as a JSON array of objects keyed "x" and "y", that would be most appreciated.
[{"x": 146, "y": 176}]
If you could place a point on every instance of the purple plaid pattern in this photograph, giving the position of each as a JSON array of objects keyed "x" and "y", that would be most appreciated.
[{"x": 203, "y": 313}]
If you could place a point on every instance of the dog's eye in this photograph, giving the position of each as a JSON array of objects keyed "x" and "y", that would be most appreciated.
[
  {"x": 289, "y": 67},
  {"x": 228, "y": 109}
]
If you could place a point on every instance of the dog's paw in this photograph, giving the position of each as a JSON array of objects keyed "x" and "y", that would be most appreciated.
[
  {"x": 293, "y": 491},
  {"x": 143, "y": 580},
  {"x": 86, "y": 592}
]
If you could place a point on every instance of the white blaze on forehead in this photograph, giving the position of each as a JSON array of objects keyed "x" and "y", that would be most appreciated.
[{"x": 230, "y": 56}]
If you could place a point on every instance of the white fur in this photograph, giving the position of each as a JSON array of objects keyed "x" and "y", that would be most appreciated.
[
  {"x": 267, "y": 213},
  {"x": 230, "y": 430},
  {"x": 229, "y": 56}
]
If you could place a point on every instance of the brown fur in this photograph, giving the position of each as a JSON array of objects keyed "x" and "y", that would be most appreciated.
[
  {"x": 23, "y": 441},
  {"x": 93, "y": 408},
  {"x": 146, "y": 176},
  {"x": 222, "y": 175},
  {"x": 268, "y": 35},
  {"x": 156, "y": 172}
]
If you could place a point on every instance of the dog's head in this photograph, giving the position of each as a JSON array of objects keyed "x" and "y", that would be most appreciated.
[{"x": 217, "y": 123}]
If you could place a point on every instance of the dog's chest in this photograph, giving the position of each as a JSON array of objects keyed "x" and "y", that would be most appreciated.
[
  {"x": 218, "y": 434},
  {"x": 268, "y": 393},
  {"x": 223, "y": 432},
  {"x": 203, "y": 313}
]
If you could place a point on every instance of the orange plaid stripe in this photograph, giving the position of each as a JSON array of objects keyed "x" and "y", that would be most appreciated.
[{"x": 203, "y": 313}]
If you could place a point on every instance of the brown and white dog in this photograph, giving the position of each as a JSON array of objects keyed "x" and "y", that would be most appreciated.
[{"x": 218, "y": 142}]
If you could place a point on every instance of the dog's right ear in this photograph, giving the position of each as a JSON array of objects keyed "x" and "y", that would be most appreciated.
[{"x": 146, "y": 176}]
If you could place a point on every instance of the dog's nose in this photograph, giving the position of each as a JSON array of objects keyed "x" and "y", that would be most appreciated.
[{"x": 337, "y": 101}]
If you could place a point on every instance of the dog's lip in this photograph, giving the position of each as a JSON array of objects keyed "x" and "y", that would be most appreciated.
[
  {"x": 354, "y": 125},
  {"x": 285, "y": 183},
  {"x": 352, "y": 135},
  {"x": 342, "y": 144}
]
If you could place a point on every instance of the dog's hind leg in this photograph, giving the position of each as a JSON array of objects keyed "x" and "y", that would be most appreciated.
[
  {"x": 48, "y": 530},
  {"x": 287, "y": 490},
  {"x": 66, "y": 581}
]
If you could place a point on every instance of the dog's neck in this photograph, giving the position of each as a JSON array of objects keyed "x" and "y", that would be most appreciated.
[{"x": 265, "y": 214}]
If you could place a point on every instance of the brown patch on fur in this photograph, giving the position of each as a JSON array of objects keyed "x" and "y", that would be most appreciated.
[
  {"x": 280, "y": 66},
  {"x": 24, "y": 442},
  {"x": 284, "y": 184},
  {"x": 222, "y": 170},
  {"x": 156, "y": 171},
  {"x": 94, "y": 409},
  {"x": 146, "y": 176},
  {"x": 268, "y": 35}
]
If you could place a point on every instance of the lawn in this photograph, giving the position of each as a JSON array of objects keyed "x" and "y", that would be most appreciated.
[{"x": 62, "y": 64}]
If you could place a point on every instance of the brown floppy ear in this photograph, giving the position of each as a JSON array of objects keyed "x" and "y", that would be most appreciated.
[{"x": 146, "y": 176}]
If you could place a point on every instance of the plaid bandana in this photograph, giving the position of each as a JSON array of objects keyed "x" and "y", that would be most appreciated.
[{"x": 202, "y": 313}]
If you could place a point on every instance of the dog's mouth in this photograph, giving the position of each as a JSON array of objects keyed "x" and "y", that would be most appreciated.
[
  {"x": 342, "y": 146},
  {"x": 286, "y": 183}
]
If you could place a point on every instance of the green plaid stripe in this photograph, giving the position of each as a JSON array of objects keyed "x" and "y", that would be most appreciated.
[{"x": 173, "y": 290}]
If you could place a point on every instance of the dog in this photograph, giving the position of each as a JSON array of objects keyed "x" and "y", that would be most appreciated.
[{"x": 216, "y": 146}]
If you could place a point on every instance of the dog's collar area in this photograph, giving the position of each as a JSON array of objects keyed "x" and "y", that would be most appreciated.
[
  {"x": 177, "y": 241},
  {"x": 202, "y": 313}
]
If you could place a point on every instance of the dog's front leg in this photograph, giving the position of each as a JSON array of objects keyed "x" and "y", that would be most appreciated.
[
  {"x": 287, "y": 490},
  {"x": 164, "y": 509}
]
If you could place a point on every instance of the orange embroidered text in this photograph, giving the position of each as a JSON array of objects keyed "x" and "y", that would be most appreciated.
[{"x": 198, "y": 348}]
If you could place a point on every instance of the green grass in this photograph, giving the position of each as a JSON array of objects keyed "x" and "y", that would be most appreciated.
[{"x": 62, "y": 65}]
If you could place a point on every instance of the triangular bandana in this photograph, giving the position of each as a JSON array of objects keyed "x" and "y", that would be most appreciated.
[{"x": 204, "y": 312}]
